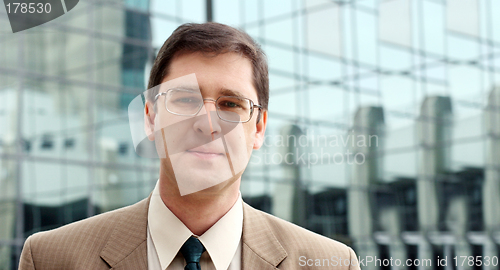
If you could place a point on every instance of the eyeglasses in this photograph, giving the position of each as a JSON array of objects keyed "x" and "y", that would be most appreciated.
[{"x": 186, "y": 102}]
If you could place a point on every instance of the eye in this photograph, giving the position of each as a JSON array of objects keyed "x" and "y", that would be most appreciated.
[
  {"x": 230, "y": 104},
  {"x": 186, "y": 100},
  {"x": 233, "y": 104}
]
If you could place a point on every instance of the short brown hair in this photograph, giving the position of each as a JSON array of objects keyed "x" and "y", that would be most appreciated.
[{"x": 213, "y": 38}]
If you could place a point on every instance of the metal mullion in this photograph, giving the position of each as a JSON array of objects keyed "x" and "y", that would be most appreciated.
[
  {"x": 65, "y": 161},
  {"x": 90, "y": 110},
  {"x": 19, "y": 222},
  {"x": 59, "y": 79}
]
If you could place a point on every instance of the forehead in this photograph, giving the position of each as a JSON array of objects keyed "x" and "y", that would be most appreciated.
[{"x": 228, "y": 73}]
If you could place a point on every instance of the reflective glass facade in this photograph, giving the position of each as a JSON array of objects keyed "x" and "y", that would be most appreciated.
[{"x": 383, "y": 128}]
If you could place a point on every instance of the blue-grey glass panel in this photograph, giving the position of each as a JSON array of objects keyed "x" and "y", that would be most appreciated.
[
  {"x": 394, "y": 58},
  {"x": 193, "y": 10},
  {"x": 227, "y": 12},
  {"x": 281, "y": 31},
  {"x": 366, "y": 36},
  {"x": 433, "y": 27},
  {"x": 277, "y": 8},
  {"x": 462, "y": 48},
  {"x": 280, "y": 59}
]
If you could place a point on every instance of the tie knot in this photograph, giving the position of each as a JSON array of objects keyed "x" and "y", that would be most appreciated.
[{"x": 192, "y": 250}]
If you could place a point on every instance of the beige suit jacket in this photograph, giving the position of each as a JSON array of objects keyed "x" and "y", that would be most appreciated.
[{"x": 117, "y": 240}]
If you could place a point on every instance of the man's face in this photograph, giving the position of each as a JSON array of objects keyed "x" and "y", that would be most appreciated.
[{"x": 203, "y": 150}]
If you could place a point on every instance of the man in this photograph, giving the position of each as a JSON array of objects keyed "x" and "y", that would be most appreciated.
[{"x": 206, "y": 111}]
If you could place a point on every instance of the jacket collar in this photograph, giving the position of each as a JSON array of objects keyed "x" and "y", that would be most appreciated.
[
  {"x": 260, "y": 247},
  {"x": 127, "y": 245}
]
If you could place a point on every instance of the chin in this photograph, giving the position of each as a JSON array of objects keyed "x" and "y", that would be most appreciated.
[{"x": 219, "y": 188}]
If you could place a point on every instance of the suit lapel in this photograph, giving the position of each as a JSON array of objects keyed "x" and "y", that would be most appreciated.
[
  {"x": 260, "y": 249},
  {"x": 126, "y": 248},
  {"x": 138, "y": 259}
]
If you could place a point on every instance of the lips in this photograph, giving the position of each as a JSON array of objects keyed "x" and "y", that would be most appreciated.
[{"x": 205, "y": 152}]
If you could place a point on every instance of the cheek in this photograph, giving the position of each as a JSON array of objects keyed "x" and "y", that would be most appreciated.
[
  {"x": 175, "y": 128},
  {"x": 164, "y": 121},
  {"x": 250, "y": 136},
  {"x": 241, "y": 138}
]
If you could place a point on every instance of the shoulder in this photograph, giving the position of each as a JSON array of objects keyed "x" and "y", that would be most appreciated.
[
  {"x": 301, "y": 244},
  {"x": 85, "y": 238},
  {"x": 89, "y": 229}
]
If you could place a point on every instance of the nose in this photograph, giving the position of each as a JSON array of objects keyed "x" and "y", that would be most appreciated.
[
  {"x": 209, "y": 101},
  {"x": 209, "y": 125}
]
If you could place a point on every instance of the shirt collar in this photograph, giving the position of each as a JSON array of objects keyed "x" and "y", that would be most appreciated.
[{"x": 169, "y": 233}]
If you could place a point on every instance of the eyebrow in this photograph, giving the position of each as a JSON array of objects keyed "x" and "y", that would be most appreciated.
[
  {"x": 229, "y": 92},
  {"x": 187, "y": 87},
  {"x": 222, "y": 91}
]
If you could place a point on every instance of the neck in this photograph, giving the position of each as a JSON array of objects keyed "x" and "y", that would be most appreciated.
[{"x": 201, "y": 210}]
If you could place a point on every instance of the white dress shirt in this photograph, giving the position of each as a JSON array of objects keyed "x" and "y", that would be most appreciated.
[{"x": 167, "y": 234}]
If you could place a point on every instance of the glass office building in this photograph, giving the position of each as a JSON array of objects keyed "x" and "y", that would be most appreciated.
[{"x": 383, "y": 129}]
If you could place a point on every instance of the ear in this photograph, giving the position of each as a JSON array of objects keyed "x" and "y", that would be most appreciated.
[
  {"x": 149, "y": 120},
  {"x": 261, "y": 129}
]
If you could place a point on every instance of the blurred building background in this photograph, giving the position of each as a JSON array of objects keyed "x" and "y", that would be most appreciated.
[{"x": 384, "y": 120}]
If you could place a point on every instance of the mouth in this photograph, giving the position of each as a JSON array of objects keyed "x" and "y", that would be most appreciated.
[{"x": 204, "y": 154}]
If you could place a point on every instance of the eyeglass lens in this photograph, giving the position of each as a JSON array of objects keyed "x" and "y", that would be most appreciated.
[{"x": 229, "y": 108}]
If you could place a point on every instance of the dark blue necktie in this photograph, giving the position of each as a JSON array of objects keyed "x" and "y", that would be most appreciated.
[{"x": 192, "y": 250}]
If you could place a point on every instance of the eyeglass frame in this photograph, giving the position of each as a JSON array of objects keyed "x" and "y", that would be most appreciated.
[{"x": 217, "y": 108}]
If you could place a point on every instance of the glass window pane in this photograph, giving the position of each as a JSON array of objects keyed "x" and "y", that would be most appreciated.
[
  {"x": 281, "y": 31},
  {"x": 366, "y": 35},
  {"x": 323, "y": 31},
  {"x": 433, "y": 27},
  {"x": 463, "y": 16},
  {"x": 394, "y": 22}
]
